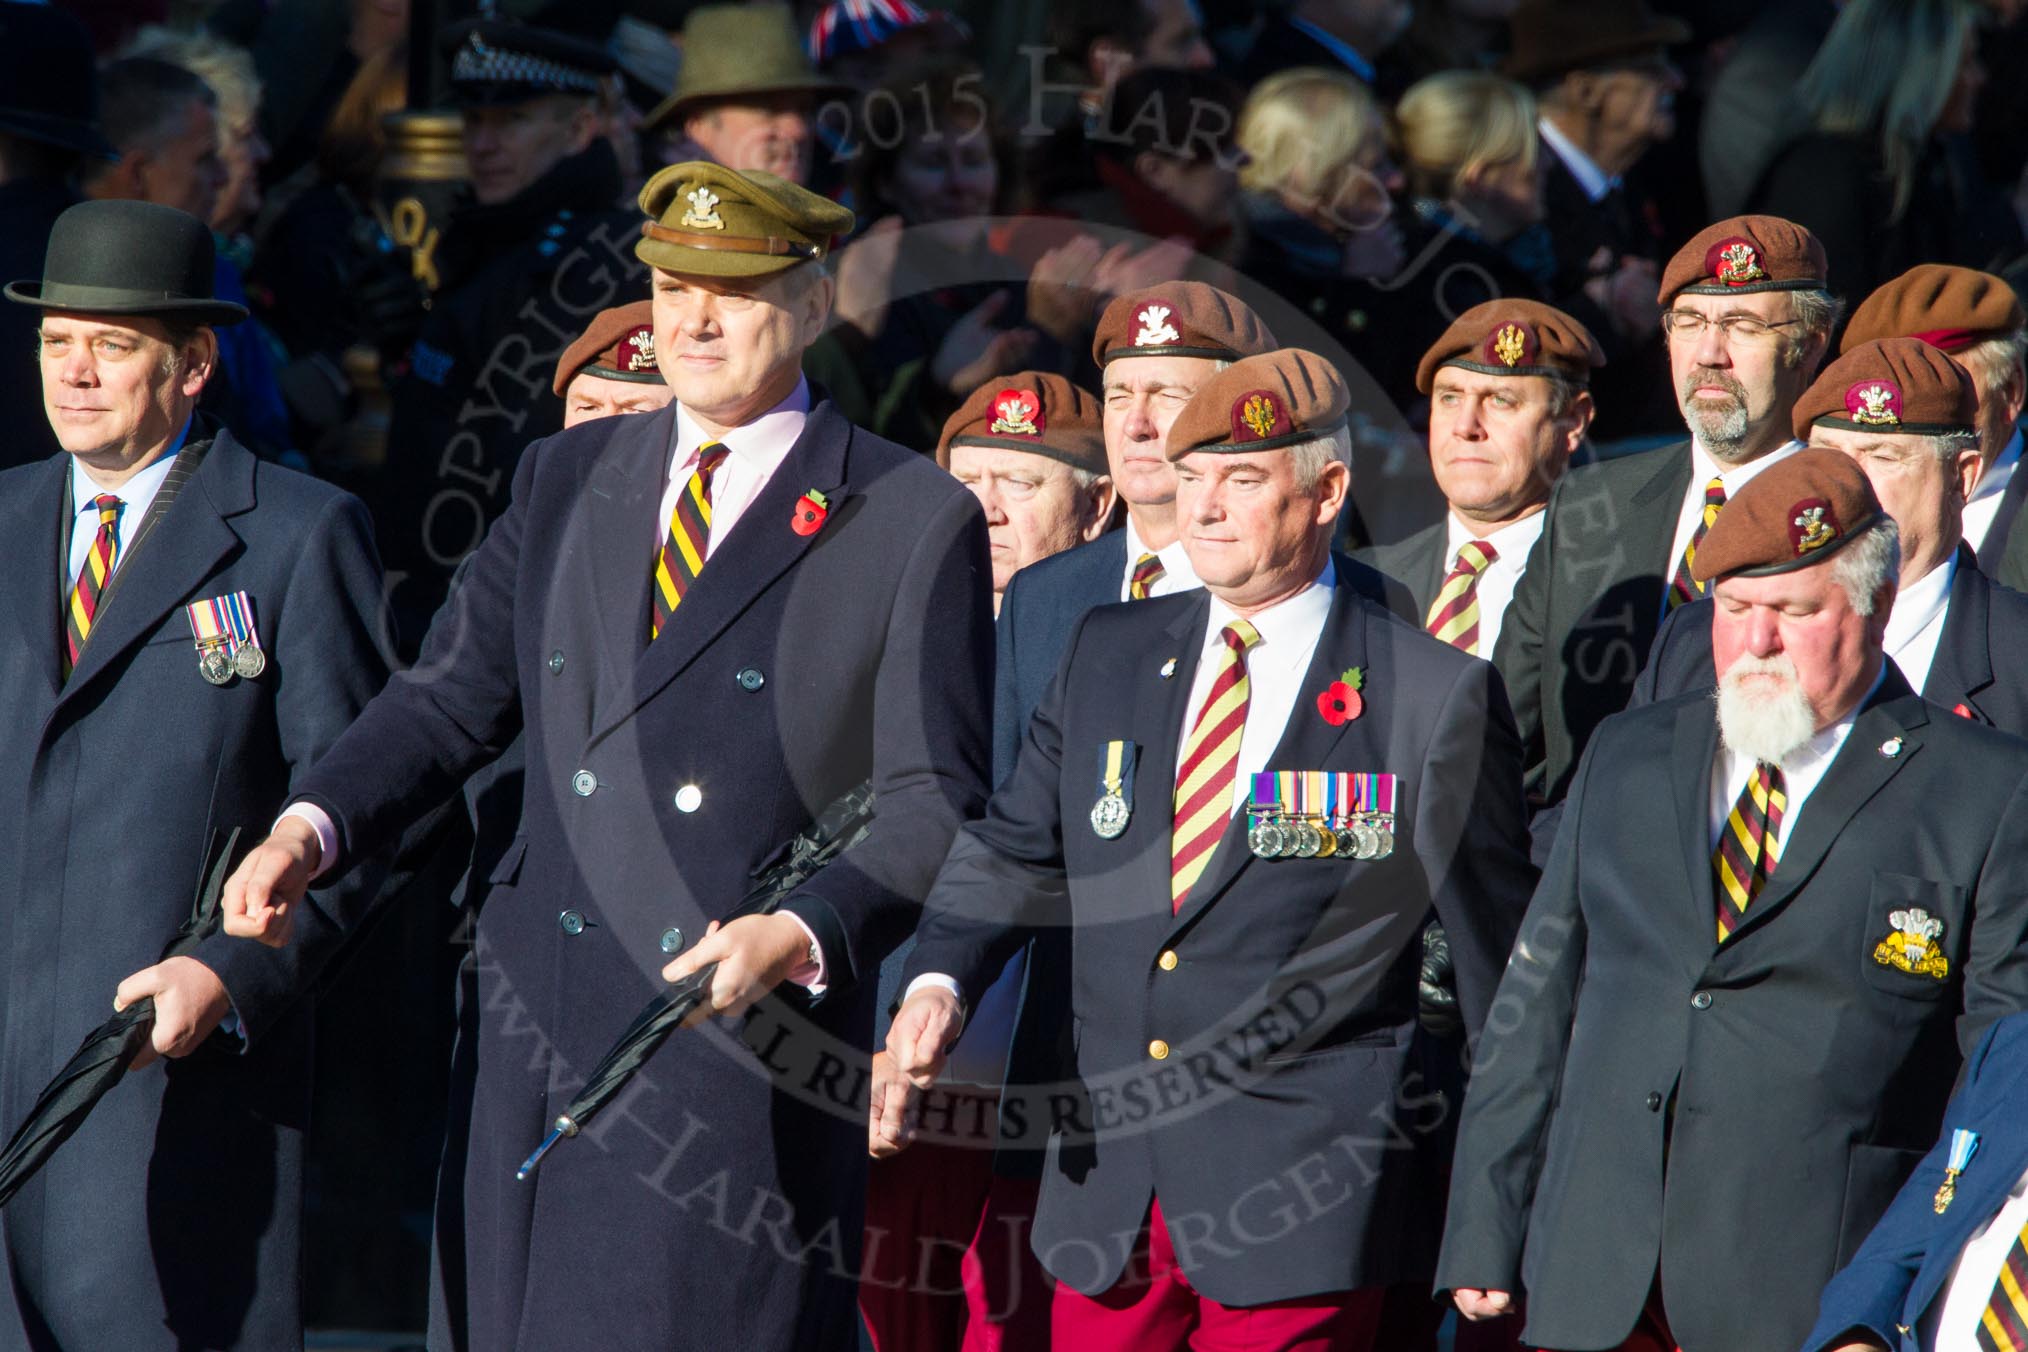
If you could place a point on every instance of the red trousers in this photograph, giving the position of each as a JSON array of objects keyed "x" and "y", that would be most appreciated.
[
  {"x": 947, "y": 1266},
  {"x": 1153, "y": 1307}
]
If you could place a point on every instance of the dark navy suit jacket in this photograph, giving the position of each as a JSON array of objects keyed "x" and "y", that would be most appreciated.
[
  {"x": 1903, "y": 1267},
  {"x": 1286, "y": 1003},
  {"x": 1038, "y": 613}
]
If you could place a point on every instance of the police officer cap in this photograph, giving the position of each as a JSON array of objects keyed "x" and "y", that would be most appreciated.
[{"x": 498, "y": 61}]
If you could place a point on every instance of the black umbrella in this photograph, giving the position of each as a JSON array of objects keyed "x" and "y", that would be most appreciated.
[
  {"x": 841, "y": 826},
  {"x": 107, "y": 1050}
]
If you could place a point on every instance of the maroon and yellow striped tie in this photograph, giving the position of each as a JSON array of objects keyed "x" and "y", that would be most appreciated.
[
  {"x": 1454, "y": 615},
  {"x": 1750, "y": 845},
  {"x": 1210, "y": 764},
  {"x": 2003, "y": 1326},
  {"x": 681, "y": 557},
  {"x": 1148, "y": 570},
  {"x": 91, "y": 581},
  {"x": 1685, "y": 587}
]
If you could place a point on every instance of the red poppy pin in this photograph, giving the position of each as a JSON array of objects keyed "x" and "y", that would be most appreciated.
[
  {"x": 1962, "y": 710},
  {"x": 811, "y": 509},
  {"x": 1341, "y": 701}
]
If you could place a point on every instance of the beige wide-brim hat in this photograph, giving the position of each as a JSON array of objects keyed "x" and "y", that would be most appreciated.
[{"x": 730, "y": 50}]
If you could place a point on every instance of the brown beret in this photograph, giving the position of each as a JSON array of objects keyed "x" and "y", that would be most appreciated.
[
  {"x": 1792, "y": 515},
  {"x": 1262, "y": 403},
  {"x": 1180, "y": 319},
  {"x": 1892, "y": 385},
  {"x": 619, "y": 344},
  {"x": 1513, "y": 338},
  {"x": 1035, "y": 411},
  {"x": 1743, "y": 255},
  {"x": 1947, "y": 307}
]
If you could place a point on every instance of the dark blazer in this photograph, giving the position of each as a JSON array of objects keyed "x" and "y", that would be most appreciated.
[
  {"x": 1586, "y": 611},
  {"x": 172, "y": 1218},
  {"x": 1740, "y": 1113},
  {"x": 1287, "y": 996},
  {"x": 797, "y": 667},
  {"x": 1039, "y": 612},
  {"x": 1980, "y": 669},
  {"x": 1886, "y": 1291},
  {"x": 1417, "y": 564},
  {"x": 2008, "y": 527}
]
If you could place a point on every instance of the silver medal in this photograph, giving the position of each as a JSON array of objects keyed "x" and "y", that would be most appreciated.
[
  {"x": 248, "y": 661},
  {"x": 1307, "y": 841},
  {"x": 213, "y": 664},
  {"x": 1109, "y": 816}
]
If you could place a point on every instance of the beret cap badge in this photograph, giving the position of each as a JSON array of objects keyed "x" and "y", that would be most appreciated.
[
  {"x": 639, "y": 347},
  {"x": 1155, "y": 329},
  {"x": 1017, "y": 413},
  {"x": 1875, "y": 403},
  {"x": 1257, "y": 411},
  {"x": 703, "y": 212},
  {"x": 1510, "y": 344},
  {"x": 1735, "y": 262},
  {"x": 1813, "y": 523}
]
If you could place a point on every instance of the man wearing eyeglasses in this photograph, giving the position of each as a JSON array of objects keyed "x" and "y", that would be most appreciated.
[{"x": 1748, "y": 321}]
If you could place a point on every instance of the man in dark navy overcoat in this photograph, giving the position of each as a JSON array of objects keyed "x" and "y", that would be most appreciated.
[
  {"x": 187, "y": 629},
  {"x": 708, "y": 622}
]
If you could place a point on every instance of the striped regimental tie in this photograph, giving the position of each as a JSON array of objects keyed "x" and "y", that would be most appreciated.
[
  {"x": 1750, "y": 845},
  {"x": 1148, "y": 570},
  {"x": 1454, "y": 616},
  {"x": 1210, "y": 762},
  {"x": 91, "y": 581},
  {"x": 1685, "y": 587},
  {"x": 2003, "y": 1327},
  {"x": 681, "y": 557}
]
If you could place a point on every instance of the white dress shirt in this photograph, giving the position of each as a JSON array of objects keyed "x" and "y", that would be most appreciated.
[
  {"x": 1177, "y": 574},
  {"x": 1703, "y": 469},
  {"x": 1594, "y": 180},
  {"x": 1801, "y": 772},
  {"x": 1985, "y": 500},
  {"x": 1289, "y": 632},
  {"x": 754, "y": 452},
  {"x": 1511, "y": 544},
  {"x": 136, "y": 496},
  {"x": 1916, "y": 623},
  {"x": 1952, "y": 1324}
]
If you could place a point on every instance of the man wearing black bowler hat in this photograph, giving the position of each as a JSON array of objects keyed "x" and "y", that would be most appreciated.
[
  {"x": 49, "y": 122},
  {"x": 186, "y": 628}
]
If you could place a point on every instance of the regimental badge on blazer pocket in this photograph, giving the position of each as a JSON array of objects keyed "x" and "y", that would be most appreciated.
[{"x": 1911, "y": 935}]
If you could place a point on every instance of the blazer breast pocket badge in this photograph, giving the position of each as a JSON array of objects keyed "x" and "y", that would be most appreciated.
[
  {"x": 1115, "y": 805},
  {"x": 1912, "y": 947},
  {"x": 1321, "y": 814},
  {"x": 228, "y": 642}
]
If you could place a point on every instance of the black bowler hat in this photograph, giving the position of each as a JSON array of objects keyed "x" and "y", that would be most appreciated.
[
  {"x": 49, "y": 87},
  {"x": 129, "y": 258}
]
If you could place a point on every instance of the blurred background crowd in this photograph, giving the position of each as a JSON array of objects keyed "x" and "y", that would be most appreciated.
[{"x": 424, "y": 206}]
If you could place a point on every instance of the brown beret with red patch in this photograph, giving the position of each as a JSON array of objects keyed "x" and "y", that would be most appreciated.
[
  {"x": 1792, "y": 515},
  {"x": 1891, "y": 385},
  {"x": 1513, "y": 338},
  {"x": 618, "y": 345},
  {"x": 1947, "y": 307},
  {"x": 1035, "y": 411},
  {"x": 1262, "y": 404},
  {"x": 1743, "y": 255},
  {"x": 1180, "y": 319}
]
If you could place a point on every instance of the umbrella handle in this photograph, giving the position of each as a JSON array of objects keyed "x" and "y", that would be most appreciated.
[{"x": 564, "y": 1127}]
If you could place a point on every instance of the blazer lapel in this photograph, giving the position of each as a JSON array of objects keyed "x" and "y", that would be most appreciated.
[
  {"x": 1861, "y": 769},
  {"x": 35, "y": 592},
  {"x": 1663, "y": 495},
  {"x": 1694, "y": 756},
  {"x": 182, "y": 549},
  {"x": 623, "y": 494},
  {"x": 1307, "y": 743},
  {"x": 1994, "y": 547},
  {"x": 1963, "y": 665},
  {"x": 759, "y": 549}
]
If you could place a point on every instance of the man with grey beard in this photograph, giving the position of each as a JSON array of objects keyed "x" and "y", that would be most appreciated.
[
  {"x": 1748, "y": 321},
  {"x": 1771, "y": 927}
]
